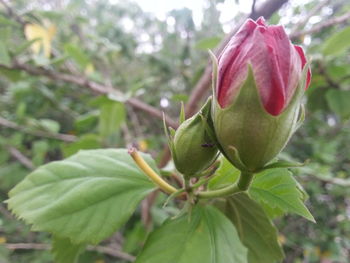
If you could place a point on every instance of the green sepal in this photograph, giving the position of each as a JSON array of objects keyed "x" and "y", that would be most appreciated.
[
  {"x": 170, "y": 138},
  {"x": 214, "y": 61},
  {"x": 236, "y": 160},
  {"x": 284, "y": 164},
  {"x": 172, "y": 132},
  {"x": 301, "y": 117},
  {"x": 182, "y": 116}
]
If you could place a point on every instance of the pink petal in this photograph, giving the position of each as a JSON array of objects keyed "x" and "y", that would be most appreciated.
[
  {"x": 267, "y": 73},
  {"x": 261, "y": 21},
  {"x": 303, "y": 62},
  {"x": 231, "y": 62}
]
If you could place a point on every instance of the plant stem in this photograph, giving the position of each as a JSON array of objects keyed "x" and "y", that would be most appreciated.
[
  {"x": 141, "y": 163},
  {"x": 242, "y": 185}
]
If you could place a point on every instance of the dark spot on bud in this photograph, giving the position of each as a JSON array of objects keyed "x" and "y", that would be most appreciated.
[{"x": 208, "y": 145}]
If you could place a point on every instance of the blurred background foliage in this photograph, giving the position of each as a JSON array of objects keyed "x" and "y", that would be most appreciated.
[{"x": 70, "y": 72}]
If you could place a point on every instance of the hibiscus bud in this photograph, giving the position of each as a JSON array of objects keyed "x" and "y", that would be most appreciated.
[
  {"x": 192, "y": 148},
  {"x": 258, "y": 83}
]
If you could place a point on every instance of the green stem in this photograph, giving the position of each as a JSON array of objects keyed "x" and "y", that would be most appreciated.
[{"x": 242, "y": 185}]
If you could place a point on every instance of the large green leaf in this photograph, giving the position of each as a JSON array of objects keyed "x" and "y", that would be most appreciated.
[
  {"x": 279, "y": 192},
  {"x": 207, "y": 237},
  {"x": 86, "y": 197},
  {"x": 255, "y": 229},
  {"x": 65, "y": 251},
  {"x": 276, "y": 189},
  {"x": 338, "y": 43}
]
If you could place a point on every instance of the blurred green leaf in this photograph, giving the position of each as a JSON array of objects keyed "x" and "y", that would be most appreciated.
[
  {"x": 135, "y": 238},
  {"x": 49, "y": 125},
  {"x": 10, "y": 175},
  {"x": 4, "y": 55},
  {"x": 40, "y": 149},
  {"x": 65, "y": 251},
  {"x": 87, "y": 122},
  {"x": 112, "y": 115},
  {"x": 12, "y": 75},
  {"x": 208, "y": 43},
  {"x": 85, "y": 142},
  {"x": 77, "y": 54},
  {"x": 338, "y": 102},
  {"x": 24, "y": 46},
  {"x": 338, "y": 43},
  {"x": 4, "y": 21}
]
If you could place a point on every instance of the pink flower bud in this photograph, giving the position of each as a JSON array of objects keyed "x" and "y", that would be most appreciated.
[
  {"x": 277, "y": 65},
  {"x": 259, "y": 80}
]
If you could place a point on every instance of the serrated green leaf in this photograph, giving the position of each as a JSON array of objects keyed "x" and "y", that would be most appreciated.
[
  {"x": 86, "y": 197},
  {"x": 208, "y": 237},
  {"x": 64, "y": 251},
  {"x": 276, "y": 189},
  {"x": 278, "y": 192},
  {"x": 255, "y": 229},
  {"x": 337, "y": 43}
]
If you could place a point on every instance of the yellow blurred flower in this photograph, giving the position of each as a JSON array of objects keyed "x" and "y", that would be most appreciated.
[{"x": 44, "y": 36}]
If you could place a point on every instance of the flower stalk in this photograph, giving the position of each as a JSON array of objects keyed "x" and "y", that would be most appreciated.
[
  {"x": 242, "y": 185},
  {"x": 143, "y": 165}
]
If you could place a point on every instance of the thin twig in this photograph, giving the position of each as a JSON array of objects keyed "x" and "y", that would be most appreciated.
[
  {"x": 82, "y": 81},
  {"x": 42, "y": 246},
  {"x": 56, "y": 136},
  {"x": 24, "y": 160},
  {"x": 332, "y": 180},
  {"x": 112, "y": 252},
  {"x": 318, "y": 27},
  {"x": 302, "y": 22},
  {"x": 252, "y": 12}
]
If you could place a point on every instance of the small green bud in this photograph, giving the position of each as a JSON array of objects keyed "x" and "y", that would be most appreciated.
[{"x": 192, "y": 148}]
